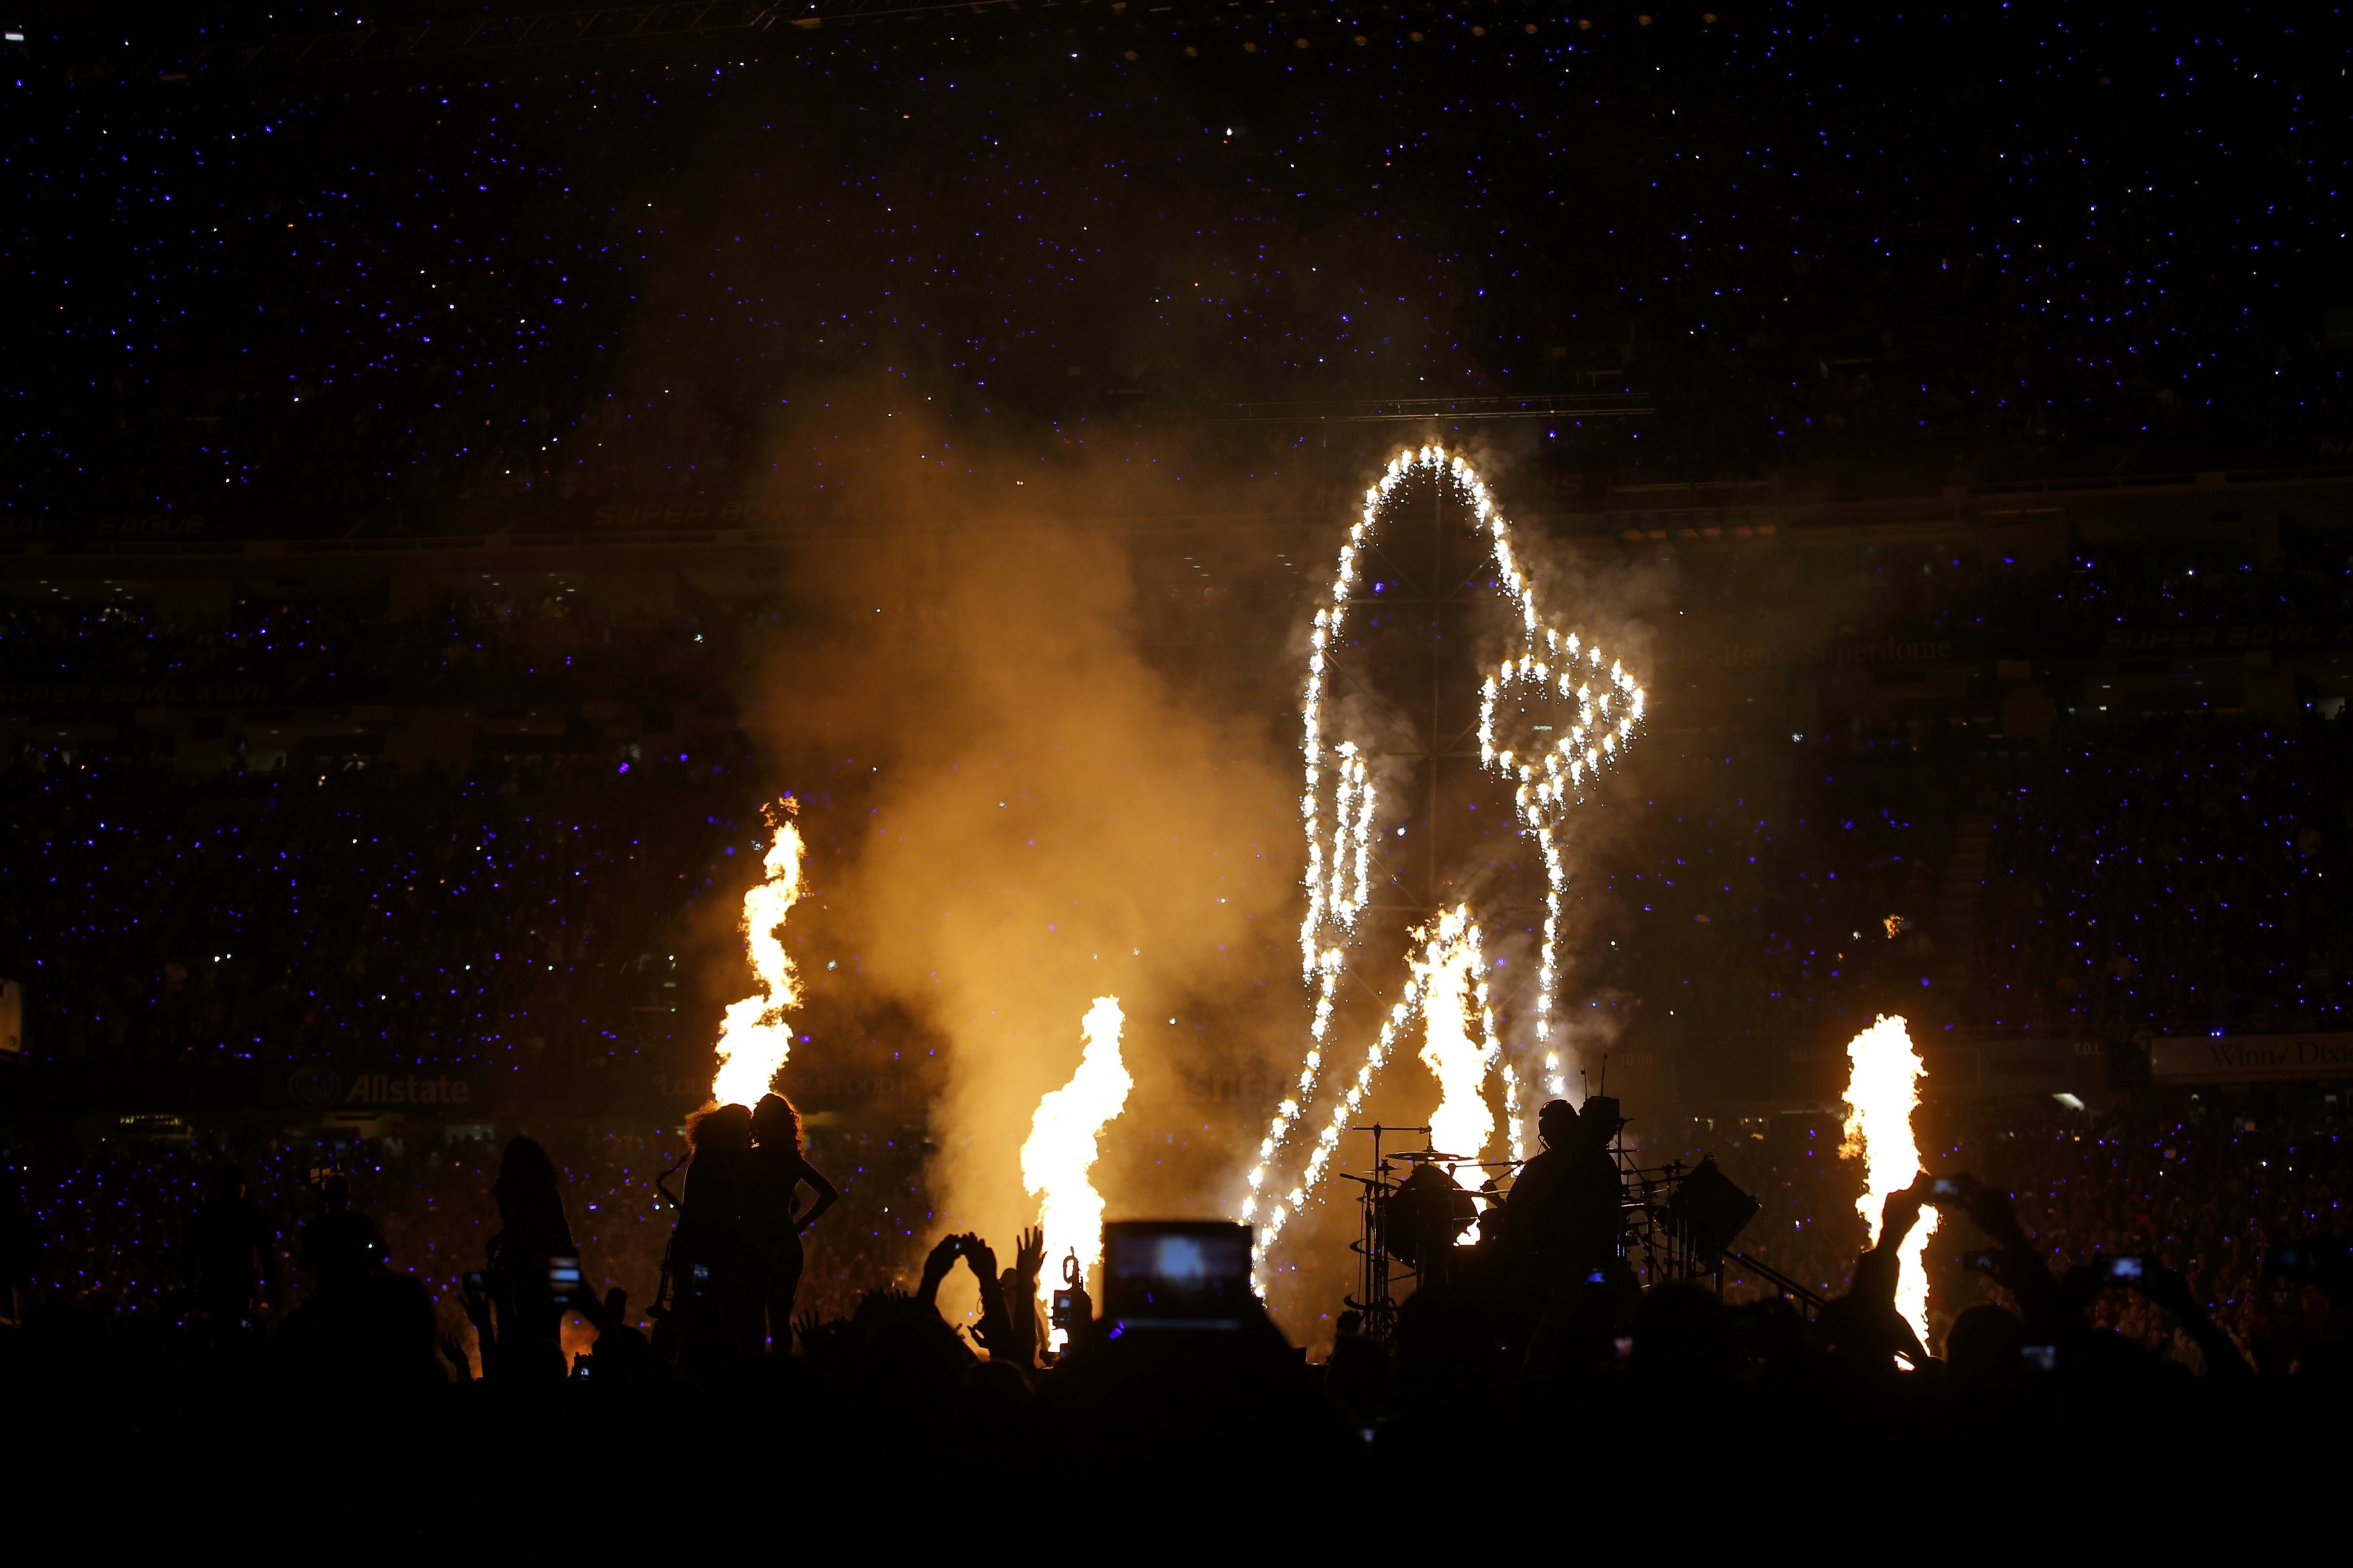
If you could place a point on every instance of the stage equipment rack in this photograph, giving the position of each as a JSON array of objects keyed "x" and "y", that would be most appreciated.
[
  {"x": 1373, "y": 1296},
  {"x": 1660, "y": 1250}
]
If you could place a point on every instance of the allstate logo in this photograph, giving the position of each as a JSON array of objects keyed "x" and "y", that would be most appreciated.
[{"x": 316, "y": 1084}]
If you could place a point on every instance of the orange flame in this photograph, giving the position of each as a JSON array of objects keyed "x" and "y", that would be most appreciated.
[
  {"x": 753, "y": 1037},
  {"x": 1452, "y": 986},
  {"x": 1882, "y": 1088},
  {"x": 1062, "y": 1147}
]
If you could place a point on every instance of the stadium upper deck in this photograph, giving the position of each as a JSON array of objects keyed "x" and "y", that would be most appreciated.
[{"x": 562, "y": 288}]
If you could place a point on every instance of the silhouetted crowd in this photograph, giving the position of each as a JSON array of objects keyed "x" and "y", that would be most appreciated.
[
  {"x": 2106, "y": 1275},
  {"x": 187, "y": 904},
  {"x": 349, "y": 915},
  {"x": 2213, "y": 1184},
  {"x": 2172, "y": 876},
  {"x": 487, "y": 647},
  {"x": 2141, "y": 875},
  {"x": 517, "y": 905},
  {"x": 110, "y": 1209}
]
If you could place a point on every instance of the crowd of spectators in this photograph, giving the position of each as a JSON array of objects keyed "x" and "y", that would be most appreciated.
[
  {"x": 488, "y": 649},
  {"x": 347, "y": 297},
  {"x": 2083, "y": 601},
  {"x": 111, "y": 1210},
  {"x": 516, "y": 915},
  {"x": 2169, "y": 876},
  {"x": 2209, "y": 1182},
  {"x": 513, "y": 900},
  {"x": 2141, "y": 875},
  {"x": 2228, "y": 1307},
  {"x": 274, "y": 884}
]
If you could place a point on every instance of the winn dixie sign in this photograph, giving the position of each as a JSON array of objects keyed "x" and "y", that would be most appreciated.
[{"x": 2250, "y": 1058}]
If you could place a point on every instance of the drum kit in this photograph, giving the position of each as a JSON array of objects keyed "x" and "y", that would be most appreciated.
[
  {"x": 1415, "y": 1210},
  {"x": 1418, "y": 1210}
]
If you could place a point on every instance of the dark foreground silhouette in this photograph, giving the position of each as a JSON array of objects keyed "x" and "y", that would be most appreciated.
[{"x": 355, "y": 1415}]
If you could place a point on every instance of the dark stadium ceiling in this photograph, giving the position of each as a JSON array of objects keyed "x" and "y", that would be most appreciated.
[{"x": 449, "y": 37}]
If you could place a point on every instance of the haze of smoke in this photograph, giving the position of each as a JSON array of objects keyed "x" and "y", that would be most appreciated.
[
  {"x": 1666, "y": 623},
  {"x": 1619, "y": 603},
  {"x": 1050, "y": 822}
]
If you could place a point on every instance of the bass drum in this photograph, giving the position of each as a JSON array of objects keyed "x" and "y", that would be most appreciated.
[{"x": 1424, "y": 1216}]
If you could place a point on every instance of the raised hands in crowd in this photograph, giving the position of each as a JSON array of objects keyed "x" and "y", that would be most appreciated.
[{"x": 1589, "y": 1348}]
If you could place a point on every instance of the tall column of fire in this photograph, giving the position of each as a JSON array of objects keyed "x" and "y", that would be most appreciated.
[
  {"x": 1453, "y": 992},
  {"x": 1060, "y": 1153},
  {"x": 1883, "y": 1088},
  {"x": 754, "y": 1037}
]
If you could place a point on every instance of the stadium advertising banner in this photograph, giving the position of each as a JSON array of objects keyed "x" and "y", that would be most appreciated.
[
  {"x": 2250, "y": 1058},
  {"x": 320, "y": 1085}
]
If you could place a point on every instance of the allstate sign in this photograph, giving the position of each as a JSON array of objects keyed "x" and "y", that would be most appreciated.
[
  {"x": 320, "y": 1087},
  {"x": 315, "y": 1084}
]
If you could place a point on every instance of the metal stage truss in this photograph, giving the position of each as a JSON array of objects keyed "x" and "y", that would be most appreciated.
[{"x": 1441, "y": 410}]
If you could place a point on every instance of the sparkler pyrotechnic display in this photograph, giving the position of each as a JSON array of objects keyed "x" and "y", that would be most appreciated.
[
  {"x": 1550, "y": 771},
  {"x": 1882, "y": 1088},
  {"x": 1061, "y": 1152},
  {"x": 755, "y": 1038}
]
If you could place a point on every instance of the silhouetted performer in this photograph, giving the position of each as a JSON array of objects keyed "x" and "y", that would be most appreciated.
[
  {"x": 1567, "y": 1212},
  {"x": 779, "y": 1165},
  {"x": 231, "y": 1250},
  {"x": 343, "y": 1245},
  {"x": 17, "y": 1247},
  {"x": 525, "y": 1338},
  {"x": 718, "y": 1270}
]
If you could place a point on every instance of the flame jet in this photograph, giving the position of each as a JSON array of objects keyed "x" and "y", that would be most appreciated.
[
  {"x": 1449, "y": 973},
  {"x": 1882, "y": 1086},
  {"x": 1598, "y": 708},
  {"x": 1062, "y": 1146},
  {"x": 754, "y": 1037}
]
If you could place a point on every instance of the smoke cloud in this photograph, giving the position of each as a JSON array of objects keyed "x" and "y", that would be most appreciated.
[
  {"x": 1047, "y": 817},
  {"x": 1034, "y": 811}
]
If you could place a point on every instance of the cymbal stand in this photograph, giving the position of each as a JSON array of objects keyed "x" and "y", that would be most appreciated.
[{"x": 1374, "y": 1296}]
